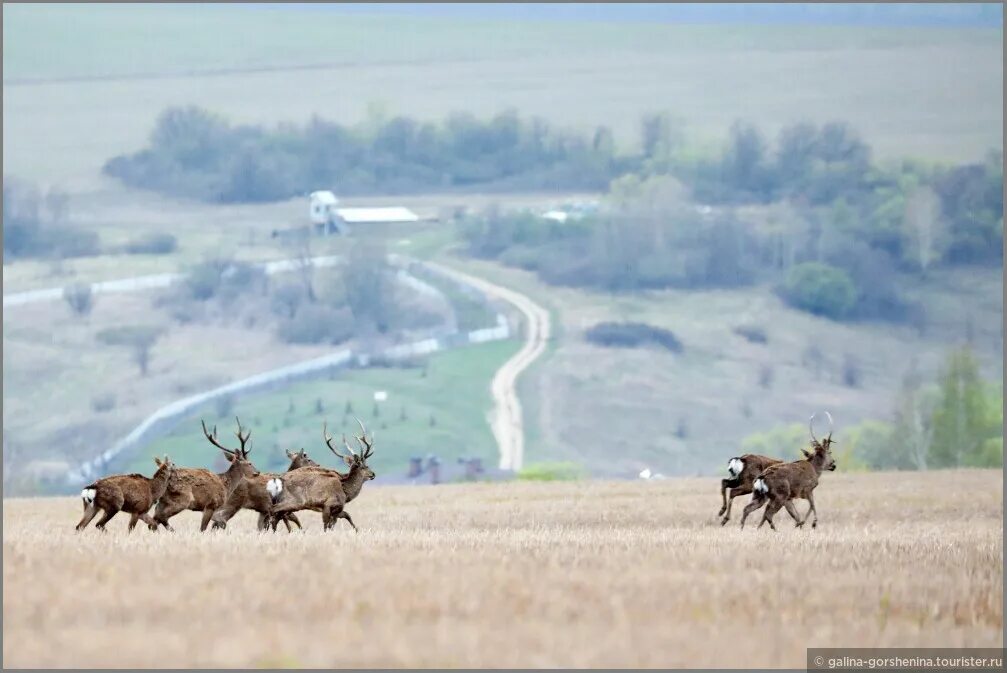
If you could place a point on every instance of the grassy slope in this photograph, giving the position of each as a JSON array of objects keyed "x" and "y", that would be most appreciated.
[
  {"x": 616, "y": 410},
  {"x": 579, "y": 575},
  {"x": 924, "y": 92},
  {"x": 455, "y": 391}
]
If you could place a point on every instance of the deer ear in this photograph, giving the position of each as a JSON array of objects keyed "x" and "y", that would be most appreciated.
[
  {"x": 157, "y": 461},
  {"x": 290, "y": 455},
  {"x": 807, "y": 454},
  {"x": 348, "y": 460}
]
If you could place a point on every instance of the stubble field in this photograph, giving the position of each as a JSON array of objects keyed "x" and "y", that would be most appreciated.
[{"x": 601, "y": 574}]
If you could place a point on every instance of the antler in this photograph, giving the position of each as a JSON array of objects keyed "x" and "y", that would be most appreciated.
[
  {"x": 830, "y": 425},
  {"x": 213, "y": 439},
  {"x": 243, "y": 439},
  {"x": 811, "y": 428},
  {"x": 366, "y": 444},
  {"x": 328, "y": 440}
]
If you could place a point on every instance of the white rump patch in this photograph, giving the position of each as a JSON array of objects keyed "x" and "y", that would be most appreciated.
[
  {"x": 735, "y": 466},
  {"x": 89, "y": 494},
  {"x": 760, "y": 486},
  {"x": 275, "y": 487}
]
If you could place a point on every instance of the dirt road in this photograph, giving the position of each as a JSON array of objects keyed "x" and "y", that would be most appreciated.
[{"x": 506, "y": 419}]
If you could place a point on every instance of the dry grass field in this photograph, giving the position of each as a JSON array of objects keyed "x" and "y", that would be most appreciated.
[{"x": 583, "y": 574}]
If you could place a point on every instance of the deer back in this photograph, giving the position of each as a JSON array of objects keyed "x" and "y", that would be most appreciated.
[{"x": 199, "y": 487}]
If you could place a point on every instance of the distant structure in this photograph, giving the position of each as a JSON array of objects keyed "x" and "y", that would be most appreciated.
[{"x": 328, "y": 218}]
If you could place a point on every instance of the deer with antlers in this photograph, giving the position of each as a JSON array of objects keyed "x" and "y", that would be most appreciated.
[
  {"x": 743, "y": 470},
  {"x": 780, "y": 484},
  {"x": 204, "y": 491},
  {"x": 134, "y": 494},
  {"x": 322, "y": 489},
  {"x": 251, "y": 493}
]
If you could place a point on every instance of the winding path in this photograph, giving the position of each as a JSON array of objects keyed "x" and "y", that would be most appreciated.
[{"x": 506, "y": 420}]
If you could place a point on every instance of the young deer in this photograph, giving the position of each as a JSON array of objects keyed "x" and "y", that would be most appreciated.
[
  {"x": 322, "y": 489},
  {"x": 743, "y": 470},
  {"x": 780, "y": 484},
  {"x": 251, "y": 493},
  {"x": 134, "y": 494},
  {"x": 203, "y": 491}
]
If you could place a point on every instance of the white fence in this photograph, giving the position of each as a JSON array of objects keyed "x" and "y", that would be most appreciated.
[{"x": 167, "y": 417}]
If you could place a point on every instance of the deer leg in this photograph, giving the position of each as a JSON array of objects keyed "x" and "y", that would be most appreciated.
[
  {"x": 297, "y": 522},
  {"x": 792, "y": 511},
  {"x": 343, "y": 514},
  {"x": 165, "y": 512},
  {"x": 106, "y": 517},
  {"x": 724, "y": 485},
  {"x": 133, "y": 518},
  {"x": 735, "y": 492},
  {"x": 757, "y": 502},
  {"x": 207, "y": 515},
  {"x": 771, "y": 510},
  {"x": 812, "y": 510},
  {"x": 151, "y": 524},
  {"x": 90, "y": 512}
]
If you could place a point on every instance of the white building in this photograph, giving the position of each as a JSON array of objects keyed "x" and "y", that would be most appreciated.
[{"x": 328, "y": 218}]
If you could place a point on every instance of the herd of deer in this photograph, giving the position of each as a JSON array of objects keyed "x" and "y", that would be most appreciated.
[
  {"x": 275, "y": 497},
  {"x": 776, "y": 483},
  {"x": 308, "y": 486}
]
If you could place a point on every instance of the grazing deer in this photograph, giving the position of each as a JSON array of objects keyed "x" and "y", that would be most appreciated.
[
  {"x": 322, "y": 489},
  {"x": 134, "y": 494},
  {"x": 251, "y": 493},
  {"x": 743, "y": 470},
  {"x": 204, "y": 491},
  {"x": 780, "y": 484}
]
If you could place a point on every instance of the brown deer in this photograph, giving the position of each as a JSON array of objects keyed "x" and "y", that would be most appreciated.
[
  {"x": 743, "y": 470},
  {"x": 251, "y": 493},
  {"x": 134, "y": 494},
  {"x": 204, "y": 491},
  {"x": 322, "y": 489},
  {"x": 780, "y": 484}
]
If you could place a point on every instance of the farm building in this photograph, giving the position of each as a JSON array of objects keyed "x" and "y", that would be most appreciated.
[{"x": 328, "y": 218}]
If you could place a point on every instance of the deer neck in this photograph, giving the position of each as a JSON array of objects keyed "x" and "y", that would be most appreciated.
[
  {"x": 353, "y": 482},
  {"x": 230, "y": 477},
  {"x": 817, "y": 463},
  {"x": 158, "y": 484}
]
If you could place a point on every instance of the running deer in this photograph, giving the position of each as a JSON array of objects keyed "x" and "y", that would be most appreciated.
[
  {"x": 322, "y": 489},
  {"x": 743, "y": 470},
  {"x": 251, "y": 493},
  {"x": 780, "y": 484},
  {"x": 134, "y": 494},
  {"x": 204, "y": 491}
]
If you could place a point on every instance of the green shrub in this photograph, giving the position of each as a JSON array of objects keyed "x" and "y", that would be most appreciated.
[
  {"x": 632, "y": 335},
  {"x": 551, "y": 472},
  {"x": 317, "y": 323},
  {"x": 820, "y": 289},
  {"x": 153, "y": 244}
]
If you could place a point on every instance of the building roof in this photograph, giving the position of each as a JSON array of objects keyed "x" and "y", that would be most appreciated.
[
  {"x": 326, "y": 197},
  {"x": 364, "y": 215}
]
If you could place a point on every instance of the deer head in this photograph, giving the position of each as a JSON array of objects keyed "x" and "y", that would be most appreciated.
[
  {"x": 822, "y": 450},
  {"x": 356, "y": 461},
  {"x": 241, "y": 466},
  {"x": 299, "y": 459},
  {"x": 164, "y": 466}
]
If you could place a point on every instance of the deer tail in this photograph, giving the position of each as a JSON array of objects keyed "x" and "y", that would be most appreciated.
[
  {"x": 89, "y": 493},
  {"x": 760, "y": 486},
  {"x": 275, "y": 487},
  {"x": 735, "y": 466}
]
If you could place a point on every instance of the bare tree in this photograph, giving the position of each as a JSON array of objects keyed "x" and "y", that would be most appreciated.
[
  {"x": 924, "y": 226},
  {"x": 139, "y": 339},
  {"x": 80, "y": 298},
  {"x": 57, "y": 203}
]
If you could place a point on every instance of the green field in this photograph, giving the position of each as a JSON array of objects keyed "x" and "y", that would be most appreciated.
[
  {"x": 82, "y": 84},
  {"x": 454, "y": 392}
]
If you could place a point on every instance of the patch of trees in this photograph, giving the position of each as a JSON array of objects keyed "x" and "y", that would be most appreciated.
[
  {"x": 36, "y": 224},
  {"x": 632, "y": 335},
  {"x": 195, "y": 154}
]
